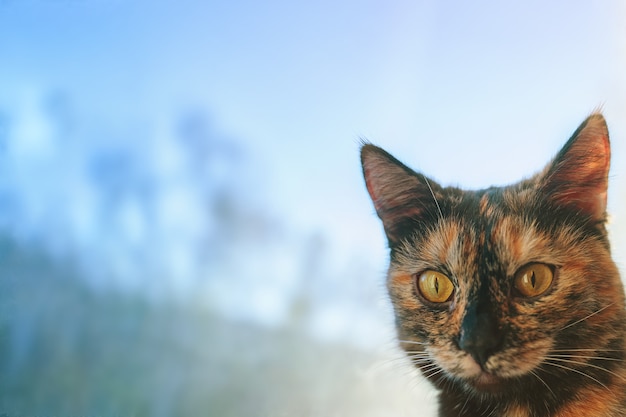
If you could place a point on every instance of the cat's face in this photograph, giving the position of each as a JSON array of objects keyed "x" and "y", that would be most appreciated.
[
  {"x": 503, "y": 289},
  {"x": 514, "y": 284}
]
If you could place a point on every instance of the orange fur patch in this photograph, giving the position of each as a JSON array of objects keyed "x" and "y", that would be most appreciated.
[{"x": 591, "y": 402}]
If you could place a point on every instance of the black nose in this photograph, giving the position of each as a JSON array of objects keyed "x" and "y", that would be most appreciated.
[{"x": 480, "y": 335}]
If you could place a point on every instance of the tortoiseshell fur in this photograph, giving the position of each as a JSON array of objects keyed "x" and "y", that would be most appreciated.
[{"x": 558, "y": 354}]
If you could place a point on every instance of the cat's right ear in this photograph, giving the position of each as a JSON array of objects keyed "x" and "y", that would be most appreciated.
[
  {"x": 578, "y": 177},
  {"x": 401, "y": 196}
]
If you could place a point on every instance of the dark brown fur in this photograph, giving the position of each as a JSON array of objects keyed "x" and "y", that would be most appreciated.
[{"x": 558, "y": 354}]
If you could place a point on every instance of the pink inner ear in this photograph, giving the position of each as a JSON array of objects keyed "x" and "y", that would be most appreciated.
[
  {"x": 391, "y": 201},
  {"x": 370, "y": 187},
  {"x": 587, "y": 201},
  {"x": 578, "y": 177}
]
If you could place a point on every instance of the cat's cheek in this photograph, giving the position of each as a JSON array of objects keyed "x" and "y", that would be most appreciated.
[
  {"x": 455, "y": 363},
  {"x": 517, "y": 362},
  {"x": 468, "y": 367}
]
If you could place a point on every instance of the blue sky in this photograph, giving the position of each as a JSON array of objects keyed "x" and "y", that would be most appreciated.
[{"x": 471, "y": 93}]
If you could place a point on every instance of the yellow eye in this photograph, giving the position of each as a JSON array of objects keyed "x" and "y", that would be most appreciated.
[
  {"x": 533, "y": 279},
  {"x": 435, "y": 286}
]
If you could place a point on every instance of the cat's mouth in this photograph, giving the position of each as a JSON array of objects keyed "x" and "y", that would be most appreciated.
[{"x": 485, "y": 381}]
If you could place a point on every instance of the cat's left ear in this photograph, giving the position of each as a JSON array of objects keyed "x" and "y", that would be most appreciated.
[
  {"x": 401, "y": 196},
  {"x": 578, "y": 176}
]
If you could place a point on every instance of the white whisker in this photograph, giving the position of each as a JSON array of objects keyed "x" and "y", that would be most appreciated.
[
  {"x": 586, "y": 364},
  {"x": 586, "y": 357},
  {"x": 413, "y": 342},
  {"x": 420, "y": 360},
  {"x": 438, "y": 371},
  {"x": 575, "y": 370},
  {"x": 586, "y": 317},
  {"x": 585, "y": 350},
  {"x": 465, "y": 404},
  {"x": 543, "y": 382},
  {"x": 429, "y": 367},
  {"x": 434, "y": 198},
  {"x": 417, "y": 354}
]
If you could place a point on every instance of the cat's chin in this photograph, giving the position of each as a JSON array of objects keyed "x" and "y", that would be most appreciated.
[{"x": 486, "y": 383}]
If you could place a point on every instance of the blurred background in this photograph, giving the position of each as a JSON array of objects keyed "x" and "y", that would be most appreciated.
[{"x": 184, "y": 229}]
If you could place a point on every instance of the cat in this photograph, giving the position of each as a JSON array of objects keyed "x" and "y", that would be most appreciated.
[{"x": 507, "y": 299}]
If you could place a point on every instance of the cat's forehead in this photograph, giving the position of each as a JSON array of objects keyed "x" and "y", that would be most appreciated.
[
  {"x": 490, "y": 228},
  {"x": 516, "y": 198}
]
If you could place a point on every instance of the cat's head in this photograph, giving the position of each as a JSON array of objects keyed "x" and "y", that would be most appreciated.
[{"x": 506, "y": 287}]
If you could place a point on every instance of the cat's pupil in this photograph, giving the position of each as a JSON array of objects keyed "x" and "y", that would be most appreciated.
[
  {"x": 437, "y": 285},
  {"x": 532, "y": 279}
]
